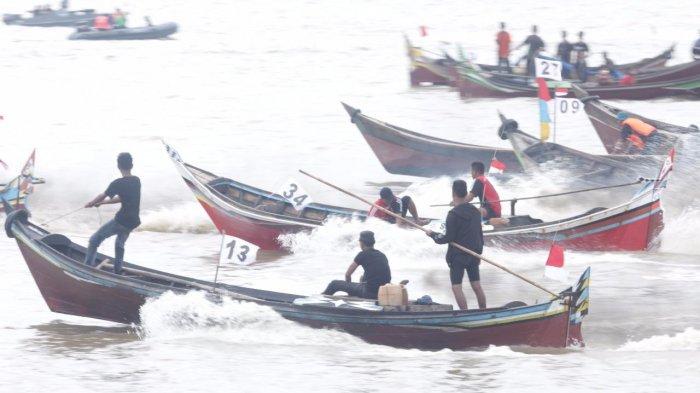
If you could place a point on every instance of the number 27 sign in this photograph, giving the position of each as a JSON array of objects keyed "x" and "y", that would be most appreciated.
[{"x": 548, "y": 69}]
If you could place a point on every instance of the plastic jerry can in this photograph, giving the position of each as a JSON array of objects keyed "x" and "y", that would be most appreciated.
[{"x": 392, "y": 295}]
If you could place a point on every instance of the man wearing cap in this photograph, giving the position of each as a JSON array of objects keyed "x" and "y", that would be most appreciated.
[
  {"x": 637, "y": 132},
  {"x": 389, "y": 201},
  {"x": 463, "y": 227},
  {"x": 375, "y": 265},
  {"x": 127, "y": 191}
]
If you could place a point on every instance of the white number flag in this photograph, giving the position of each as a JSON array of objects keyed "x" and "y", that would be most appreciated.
[
  {"x": 567, "y": 106},
  {"x": 237, "y": 251},
  {"x": 294, "y": 194},
  {"x": 548, "y": 69}
]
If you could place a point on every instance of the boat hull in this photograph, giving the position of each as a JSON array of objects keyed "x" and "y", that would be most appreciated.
[{"x": 138, "y": 33}]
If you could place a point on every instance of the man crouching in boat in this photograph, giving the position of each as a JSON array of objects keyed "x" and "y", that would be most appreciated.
[
  {"x": 127, "y": 191},
  {"x": 486, "y": 192},
  {"x": 463, "y": 226},
  {"x": 389, "y": 201},
  {"x": 375, "y": 265}
]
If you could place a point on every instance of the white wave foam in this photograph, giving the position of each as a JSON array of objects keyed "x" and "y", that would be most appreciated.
[
  {"x": 184, "y": 218},
  {"x": 678, "y": 235},
  {"x": 687, "y": 340},
  {"x": 193, "y": 315}
]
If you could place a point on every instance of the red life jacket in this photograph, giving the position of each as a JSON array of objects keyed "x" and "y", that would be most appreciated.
[
  {"x": 374, "y": 212},
  {"x": 637, "y": 141},
  {"x": 490, "y": 196}
]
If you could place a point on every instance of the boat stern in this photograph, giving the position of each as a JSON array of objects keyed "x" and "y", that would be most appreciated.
[{"x": 578, "y": 309}]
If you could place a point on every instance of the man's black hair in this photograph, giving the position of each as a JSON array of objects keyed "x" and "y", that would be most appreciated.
[
  {"x": 478, "y": 167},
  {"x": 367, "y": 238},
  {"x": 124, "y": 161},
  {"x": 459, "y": 188}
]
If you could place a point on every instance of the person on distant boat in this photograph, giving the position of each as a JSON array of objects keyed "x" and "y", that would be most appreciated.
[
  {"x": 503, "y": 41},
  {"x": 119, "y": 19},
  {"x": 580, "y": 53},
  {"x": 642, "y": 135},
  {"x": 375, "y": 265},
  {"x": 102, "y": 22},
  {"x": 127, "y": 191},
  {"x": 534, "y": 43},
  {"x": 486, "y": 192},
  {"x": 696, "y": 50},
  {"x": 463, "y": 226},
  {"x": 564, "y": 53},
  {"x": 389, "y": 201},
  {"x": 64, "y": 4},
  {"x": 610, "y": 66}
]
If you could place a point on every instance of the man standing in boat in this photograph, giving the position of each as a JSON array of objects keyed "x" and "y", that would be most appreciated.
[
  {"x": 488, "y": 197},
  {"x": 534, "y": 43},
  {"x": 389, "y": 201},
  {"x": 463, "y": 226},
  {"x": 127, "y": 191},
  {"x": 564, "y": 52},
  {"x": 580, "y": 51},
  {"x": 503, "y": 41},
  {"x": 375, "y": 265}
]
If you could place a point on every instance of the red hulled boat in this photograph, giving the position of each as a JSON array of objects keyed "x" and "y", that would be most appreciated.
[{"x": 70, "y": 287}]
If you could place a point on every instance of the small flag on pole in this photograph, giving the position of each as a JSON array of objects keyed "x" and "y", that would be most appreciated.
[
  {"x": 561, "y": 91},
  {"x": 497, "y": 166},
  {"x": 423, "y": 31},
  {"x": 554, "y": 268},
  {"x": 544, "y": 98},
  {"x": 237, "y": 251}
]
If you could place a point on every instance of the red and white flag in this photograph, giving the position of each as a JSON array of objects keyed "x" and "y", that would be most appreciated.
[
  {"x": 423, "y": 31},
  {"x": 561, "y": 91},
  {"x": 554, "y": 268},
  {"x": 497, "y": 166}
]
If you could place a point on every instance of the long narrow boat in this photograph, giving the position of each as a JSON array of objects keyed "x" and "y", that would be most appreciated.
[
  {"x": 442, "y": 70},
  {"x": 594, "y": 170},
  {"x": 474, "y": 83},
  {"x": 405, "y": 152},
  {"x": 70, "y": 287},
  {"x": 260, "y": 217},
  {"x": 603, "y": 117},
  {"x": 153, "y": 32}
]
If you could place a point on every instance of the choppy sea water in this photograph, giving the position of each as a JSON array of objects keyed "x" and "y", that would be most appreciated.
[{"x": 252, "y": 91}]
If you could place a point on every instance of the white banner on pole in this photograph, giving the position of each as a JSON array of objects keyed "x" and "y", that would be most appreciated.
[
  {"x": 237, "y": 251},
  {"x": 567, "y": 106},
  {"x": 292, "y": 191},
  {"x": 548, "y": 69}
]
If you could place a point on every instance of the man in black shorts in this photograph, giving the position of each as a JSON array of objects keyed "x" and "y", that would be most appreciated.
[
  {"x": 375, "y": 265},
  {"x": 127, "y": 191},
  {"x": 463, "y": 227}
]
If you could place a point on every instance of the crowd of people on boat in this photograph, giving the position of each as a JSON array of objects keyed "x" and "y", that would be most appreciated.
[
  {"x": 573, "y": 55},
  {"x": 116, "y": 20}
]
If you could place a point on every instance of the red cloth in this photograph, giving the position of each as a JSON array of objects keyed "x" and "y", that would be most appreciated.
[
  {"x": 374, "y": 212},
  {"x": 503, "y": 40},
  {"x": 556, "y": 256},
  {"x": 490, "y": 196},
  {"x": 627, "y": 80}
]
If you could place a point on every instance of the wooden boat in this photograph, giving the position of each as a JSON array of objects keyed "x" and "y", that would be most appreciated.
[
  {"x": 17, "y": 191},
  {"x": 538, "y": 156},
  {"x": 405, "y": 152},
  {"x": 70, "y": 287},
  {"x": 442, "y": 70},
  {"x": 603, "y": 117},
  {"x": 128, "y": 33},
  {"x": 260, "y": 217},
  {"x": 52, "y": 18},
  {"x": 475, "y": 83}
]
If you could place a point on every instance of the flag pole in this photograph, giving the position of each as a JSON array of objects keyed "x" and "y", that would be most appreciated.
[
  {"x": 413, "y": 224},
  {"x": 218, "y": 260}
]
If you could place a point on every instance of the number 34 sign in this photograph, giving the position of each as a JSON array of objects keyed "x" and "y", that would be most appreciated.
[
  {"x": 294, "y": 194},
  {"x": 237, "y": 251}
]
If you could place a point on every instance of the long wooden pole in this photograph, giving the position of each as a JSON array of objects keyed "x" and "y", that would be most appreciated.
[{"x": 413, "y": 224}]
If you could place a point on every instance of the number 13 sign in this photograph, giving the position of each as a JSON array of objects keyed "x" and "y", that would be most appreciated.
[
  {"x": 237, "y": 251},
  {"x": 548, "y": 69}
]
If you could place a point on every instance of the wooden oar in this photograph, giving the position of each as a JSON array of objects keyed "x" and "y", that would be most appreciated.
[{"x": 411, "y": 223}]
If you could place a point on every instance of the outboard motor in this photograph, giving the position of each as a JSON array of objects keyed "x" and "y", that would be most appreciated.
[{"x": 507, "y": 126}]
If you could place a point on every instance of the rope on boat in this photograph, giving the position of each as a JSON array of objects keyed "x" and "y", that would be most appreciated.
[
  {"x": 513, "y": 200},
  {"x": 61, "y": 216}
]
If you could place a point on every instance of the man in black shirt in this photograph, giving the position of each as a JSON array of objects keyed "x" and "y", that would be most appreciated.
[
  {"x": 580, "y": 50},
  {"x": 534, "y": 43},
  {"x": 375, "y": 265},
  {"x": 463, "y": 227},
  {"x": 564, "y": 49},
  {"x": 127, "y": 191}
]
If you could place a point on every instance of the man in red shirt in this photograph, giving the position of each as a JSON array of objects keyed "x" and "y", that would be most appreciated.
[
  {"x": 486, "y": 192},
  {"x": 503, "y": 41},
  {"x": 389, "y": 201}
]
